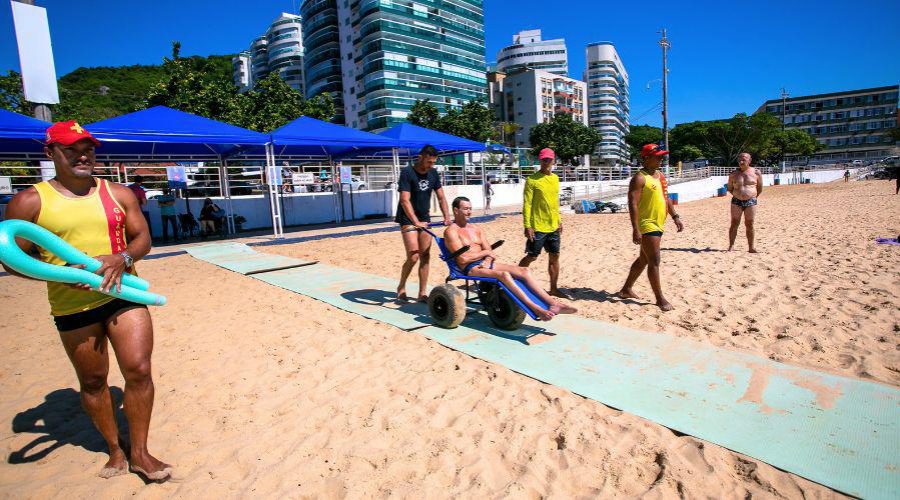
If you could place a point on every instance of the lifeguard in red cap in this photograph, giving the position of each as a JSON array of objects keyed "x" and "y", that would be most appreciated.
[
  {"x": 104, "y": 220},
  {"x": 648, "y": 206},
  {"x": 540, "y": 213}
]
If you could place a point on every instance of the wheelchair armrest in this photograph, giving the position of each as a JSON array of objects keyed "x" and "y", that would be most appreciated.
[
  {"x": 457, "y": 253},
  {"x": 496, "y": 244}
]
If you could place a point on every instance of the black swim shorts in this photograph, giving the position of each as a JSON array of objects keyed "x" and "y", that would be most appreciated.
[
  {"x": 743, "y": 203},
  {"x": 95, "y": 315},
  {"x": 547, "y": 241}
]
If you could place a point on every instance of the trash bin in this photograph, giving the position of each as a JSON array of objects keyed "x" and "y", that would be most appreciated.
[
  {"x": 721, "y": 191},
  {"x": 674, "y": 198},
  {"x": 777, "y": 182}
]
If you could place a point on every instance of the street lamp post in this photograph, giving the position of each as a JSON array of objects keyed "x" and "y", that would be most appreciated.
[
  {"x": 664, "y": 43},
  {"x": 784, "y": 96}
]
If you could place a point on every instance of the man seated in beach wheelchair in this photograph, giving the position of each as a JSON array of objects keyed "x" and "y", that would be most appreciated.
[{"x": 506, "y": 291}]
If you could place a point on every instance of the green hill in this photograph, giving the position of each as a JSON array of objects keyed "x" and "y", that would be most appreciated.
[{"x": 93, "y": 94}]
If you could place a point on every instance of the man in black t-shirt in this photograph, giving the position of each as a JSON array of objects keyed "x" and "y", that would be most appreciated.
[{"x": 414, "y": 211}]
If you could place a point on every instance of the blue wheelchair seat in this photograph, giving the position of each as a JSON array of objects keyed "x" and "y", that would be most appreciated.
[{"x": 456, "y": 273}]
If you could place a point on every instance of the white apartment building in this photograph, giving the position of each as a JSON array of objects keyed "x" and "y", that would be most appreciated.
[
  {"x": 279, "y": 49},
  {"x": 607, "y": 97},
  {"x": 530, "y": 51},
  {"x": 532, "y": 97}
]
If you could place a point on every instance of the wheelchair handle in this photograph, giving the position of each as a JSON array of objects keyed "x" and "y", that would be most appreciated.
[
  {"x": 497, "y": 244},
  {"x": 457, "y": 253}
]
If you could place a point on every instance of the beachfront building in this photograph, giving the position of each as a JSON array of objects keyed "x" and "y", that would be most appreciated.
[
  {"x": 380, "y": 56},
  {"x": 607, "y": 97},
  {"x": 279, "y": 49},
  {"x": 534, "y": 96},
  {"x": 852, "y": 125},
  {"x": 530, "y": 51}
]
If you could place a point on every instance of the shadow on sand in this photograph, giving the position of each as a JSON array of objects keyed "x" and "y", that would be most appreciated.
[
  {"x": 601, "y": 296},
  {"x": 60, "y": 421},
  {"x": 476, "y": 319}
]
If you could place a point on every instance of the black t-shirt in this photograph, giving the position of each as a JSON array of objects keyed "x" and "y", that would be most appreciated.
[{"x": 420, "y": 187}]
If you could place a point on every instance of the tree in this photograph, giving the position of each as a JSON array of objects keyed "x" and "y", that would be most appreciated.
[
  {"x": 568, "y": 139},
  {"x": 194, "y": 90},
  {"x": 641, "y": 135},
  {"x": 12, "y": 97},
  {"x": 424, "y": 114},
  {"x": 474, "y": 121},
  {"x": 507, "y": 132}
]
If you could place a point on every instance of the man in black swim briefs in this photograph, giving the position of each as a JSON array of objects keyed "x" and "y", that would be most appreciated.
[{"x": 744, "y": 184}]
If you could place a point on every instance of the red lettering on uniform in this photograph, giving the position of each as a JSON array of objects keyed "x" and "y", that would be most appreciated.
[{"x": 114, "y": 218}]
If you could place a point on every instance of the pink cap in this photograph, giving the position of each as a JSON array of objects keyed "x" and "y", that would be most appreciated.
[{"x": 546, "y": 153}]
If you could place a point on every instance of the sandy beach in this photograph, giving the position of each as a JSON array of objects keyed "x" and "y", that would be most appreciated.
[{"x": 261, "y": 392}]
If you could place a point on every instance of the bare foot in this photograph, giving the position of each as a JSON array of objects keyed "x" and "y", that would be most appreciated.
[
  {"x": 665, "y": 306},
  {"x": 557, "y": 293},
  {"x": 628, "y": 294},
  {"x": 115, "y": 466},
  {"x": 560, "y": 308},
  {"x": 753, "y": 250},
  {"x": 150, "y": 468},
  {"x": 544, "y": 315}
]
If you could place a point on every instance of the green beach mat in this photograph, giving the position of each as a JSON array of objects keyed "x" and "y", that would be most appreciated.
[
  {"x": 841, "y": 432},
  {"x": 240, "y": 258}
]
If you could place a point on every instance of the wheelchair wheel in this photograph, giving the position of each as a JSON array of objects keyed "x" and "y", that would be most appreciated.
[
  {"x": 504, "y": 312},
  {"x": 447, "y": 306}
]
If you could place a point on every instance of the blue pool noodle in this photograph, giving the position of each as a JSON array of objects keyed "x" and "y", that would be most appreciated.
[{"x": 134, "y": 289}]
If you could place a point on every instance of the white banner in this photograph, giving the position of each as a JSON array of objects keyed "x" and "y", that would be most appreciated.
[
  {"x": 301, "y": 178},
  {"x": 5, "y": 185},
  {"x": 35, "y": 53}
]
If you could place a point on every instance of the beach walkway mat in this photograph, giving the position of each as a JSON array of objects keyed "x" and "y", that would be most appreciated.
[
  {"x": 240, "y": 258},
  {"x": 841, "y": 432}
]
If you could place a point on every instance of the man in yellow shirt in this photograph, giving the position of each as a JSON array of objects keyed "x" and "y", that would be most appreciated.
[
  {"x": 102, "y": 219},
  {"x": 540, "y": 213},
  {"x": 648, "y": 206}
]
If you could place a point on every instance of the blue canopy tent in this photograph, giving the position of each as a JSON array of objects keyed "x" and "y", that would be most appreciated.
[
  {"x": 309, "y": 138},
  {"x": 411, "y": 138},
  {"x": 165, "y": 134},
  {"x": 21, "y": 137}
]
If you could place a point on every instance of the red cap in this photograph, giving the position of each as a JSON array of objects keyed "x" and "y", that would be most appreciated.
[
  {"x": 546, "y": 153},
  {"x": 68, "y": 133},
  {"x": 652, "y": 150}
]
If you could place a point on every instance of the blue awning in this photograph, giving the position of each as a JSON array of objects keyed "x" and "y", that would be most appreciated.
[
  {"x": 307, "y": 137},
  {"x": 164, "y": 134},
  {"x": 411, "y": 138},
  {"x": 21, "y": 137},
  {"x": 497, "y": 148}
]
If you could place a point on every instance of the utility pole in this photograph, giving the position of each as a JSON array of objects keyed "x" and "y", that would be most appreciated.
[
  {"x": 664, "y": 43},
  {"x": 784, "y": 96},
  {"x": 41, "y": 111}
]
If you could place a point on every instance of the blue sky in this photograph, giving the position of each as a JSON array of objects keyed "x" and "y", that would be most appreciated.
[{"x": 727, "y": 56}]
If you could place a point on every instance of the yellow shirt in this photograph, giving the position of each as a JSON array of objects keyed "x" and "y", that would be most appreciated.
[
  {"x": 94, "y": 224},
  {"x": 652, "y": 205},
  {"x": 541, "y": 208}
]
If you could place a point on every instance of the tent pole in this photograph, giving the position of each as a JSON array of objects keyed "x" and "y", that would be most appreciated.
[
  {"x": 226, "y": 193},
  {"x": 483, "y": 184},
  {"x": 395, "y": 173},
  {"x": 272, "y": 176}
]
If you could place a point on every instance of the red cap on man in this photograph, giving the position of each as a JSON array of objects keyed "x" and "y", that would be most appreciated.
[
  {"x": 68, "y": 133},
  {"x": 652, "y": 150}
]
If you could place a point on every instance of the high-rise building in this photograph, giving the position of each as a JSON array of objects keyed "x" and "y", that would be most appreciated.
[
  {"x": 323, "y": 52},
  {"x": 852, "y": 124},
  {"x": 280, "y": 49},
  {"x": 383, "y": 55},
  {"x": 607, "y": 86},
  {"x": 534, "y": 96},
  {"x": 529, "y": 51}
]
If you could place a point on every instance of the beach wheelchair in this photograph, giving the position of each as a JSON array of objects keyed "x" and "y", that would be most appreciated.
[{"x": 447, "y": 304}]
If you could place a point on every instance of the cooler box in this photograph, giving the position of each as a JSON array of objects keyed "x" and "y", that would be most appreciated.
[
  {"x": 721, "y": 191},
  {"x": 674, "y": 198},
  {"x": 777, "y": 182}
]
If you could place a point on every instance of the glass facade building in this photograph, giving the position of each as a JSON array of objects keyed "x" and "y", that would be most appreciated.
[
  {"x": 280, "y": 49},
  {"x": 383, "y": 55}
]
